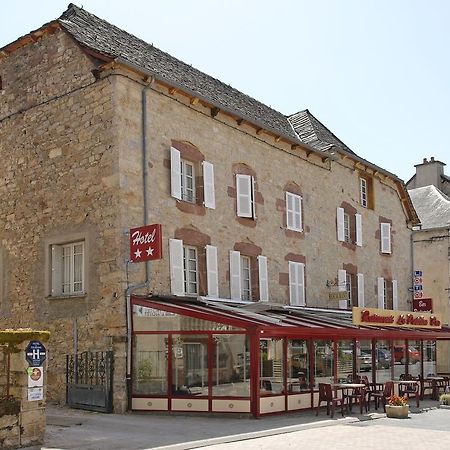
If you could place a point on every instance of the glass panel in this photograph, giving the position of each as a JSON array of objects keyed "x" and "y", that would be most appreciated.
[
  {"x": 231, "y": 365},
  {"x": 345, "y": 360},
  {"x": 384, "y": 361},
  {"x": 151, "y": 319},
  {"x": 190, "y": 365},
  {"x": 323, "y": 362},
  {"x": 298, "y": 366},
  {"x": 67, "y": 268},
  {"x": 245, "y": 278},
  {"x": 150, "y": 364},
  {"x": 399, "y": 359},
  {"x": 271, "y": 370},
  {"x": 364, "y": 359},
  {"x": 429, "y": 357},
  {"x": 190, "y": 270},
  {"x": 414, "y": 368}
]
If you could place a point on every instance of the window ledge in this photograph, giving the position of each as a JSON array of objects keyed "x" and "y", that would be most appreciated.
[{"x": 66, "y": 296}]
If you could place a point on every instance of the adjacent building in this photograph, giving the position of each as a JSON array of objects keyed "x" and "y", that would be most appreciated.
[{"x": 102, "y": 132}]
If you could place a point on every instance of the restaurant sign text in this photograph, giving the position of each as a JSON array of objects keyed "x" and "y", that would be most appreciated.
[{"x": 400, "y": 319}]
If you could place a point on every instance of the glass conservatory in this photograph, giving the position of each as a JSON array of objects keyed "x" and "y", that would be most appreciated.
[{"x": 195, "y": 354}]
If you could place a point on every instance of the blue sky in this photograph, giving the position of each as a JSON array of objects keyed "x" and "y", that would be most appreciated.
[{"x": 374, "y": 72}]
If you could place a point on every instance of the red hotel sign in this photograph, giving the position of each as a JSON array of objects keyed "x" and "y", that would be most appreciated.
[
  {"x": 400, "y": 319},
  {"x": 146, "y": 243}
]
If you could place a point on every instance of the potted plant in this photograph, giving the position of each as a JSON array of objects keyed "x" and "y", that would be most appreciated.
[
  {"x": 397, "y": 407},
  {"x": 444, "y": 400}
]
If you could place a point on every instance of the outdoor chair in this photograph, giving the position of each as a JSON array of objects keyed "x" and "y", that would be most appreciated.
[
  {"x": 410, "y": 390},
  {"x": 326, "y": 395},
  {"x": 425, "y": 386},
  {"x": 360, "y": 397},
  {"x": 381, "y": 395}
]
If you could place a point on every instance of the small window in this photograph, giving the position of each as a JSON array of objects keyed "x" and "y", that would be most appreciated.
[
  {"x": 187, "y": 181},
  {"x": 385, "y": 231},
  {"x": 67, "y": 275},
  {"x": 190, "y": 263},
  {"x": 296, "y": 283},
  {"x": 387, "y": 292},
  {"x": 246, "y": 281},
  {"x": 363, "y": 192},
  {"x": 347, "y": 235},
  {"x": 293, "y": 212}
]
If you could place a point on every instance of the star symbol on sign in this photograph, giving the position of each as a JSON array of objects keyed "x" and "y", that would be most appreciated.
[
  {"x": 137, "y": 253},
  {"x": 150, "y": 251}
]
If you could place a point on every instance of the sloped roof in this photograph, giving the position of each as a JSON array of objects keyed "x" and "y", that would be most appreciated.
[
  {"x": 313, "y": 132},
  {"x": 432, "y": 207},
  {"x": 99, "y": 35}
]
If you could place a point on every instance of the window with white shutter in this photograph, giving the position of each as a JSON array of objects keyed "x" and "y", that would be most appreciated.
[
  {"x": 246, "y": 278},
  {"x": 380, "y": 292},
  {"x": 358, "y": 221},
  {"x": 245, "y": 193},
  {"x": 176, "y": 266},
  {"x": 190, "y": 264},
  {"x": 235, "y": 275},
  {"x": 340, "y": 224},
  {"x": 294, "y": 212},
  {"x": 394, "y": 295},
  {"x": 263, "y": 280},
  {"x": 175, "y": 173},
  {"x": 208, "y": 184},
  {"x": 296, "y": 283},
  {"x": 212, "y": 271},
  {"x": 360, "y": 280},
  {"x": 385, "y": 229}
]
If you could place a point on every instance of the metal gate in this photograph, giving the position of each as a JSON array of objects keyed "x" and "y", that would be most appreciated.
[{"x": 89, "y": 378}]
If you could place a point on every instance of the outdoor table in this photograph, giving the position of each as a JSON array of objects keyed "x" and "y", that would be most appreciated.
[{"x": 345, "y": 387}]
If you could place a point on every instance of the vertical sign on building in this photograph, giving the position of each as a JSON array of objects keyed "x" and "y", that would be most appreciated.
[
  {"x": 418, "y": 284},
  {"x": 35, "y": 354}
]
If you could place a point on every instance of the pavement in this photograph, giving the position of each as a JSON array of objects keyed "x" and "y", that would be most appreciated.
[{"x": 426, "y": 428}]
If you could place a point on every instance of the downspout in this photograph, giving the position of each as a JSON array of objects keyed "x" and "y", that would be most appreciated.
[
  {"x": 145, "y": 197},
  {"x": 411, "y": 289}
]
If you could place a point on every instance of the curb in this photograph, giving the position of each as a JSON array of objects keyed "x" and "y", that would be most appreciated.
[{"x": 255, "y": 434}]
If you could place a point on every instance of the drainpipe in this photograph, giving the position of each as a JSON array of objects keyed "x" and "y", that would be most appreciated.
[{"x": 146, "y": 284}]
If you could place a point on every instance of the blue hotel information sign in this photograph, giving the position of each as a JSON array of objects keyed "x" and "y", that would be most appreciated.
[{"x": 35, "y": 353}]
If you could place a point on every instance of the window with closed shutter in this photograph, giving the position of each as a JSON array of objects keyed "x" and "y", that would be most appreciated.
[
  {"x": 245, "y": 196},
  {"x": 263, "y": 280},
  {"x": 212, "y": 271},
  {"x": 294, "y": 212},
  {"x": 296, "y": 283},
  {"x": 208, "y": 184},
  {"x": 385, "y": 230}
]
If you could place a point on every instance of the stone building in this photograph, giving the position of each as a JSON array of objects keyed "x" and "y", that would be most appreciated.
[
  {"x": 429, "y": 189},
  {"x": 101, "y": 132}
]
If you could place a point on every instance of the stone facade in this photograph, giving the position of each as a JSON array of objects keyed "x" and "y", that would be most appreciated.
[{"x": 71, "y": 150}]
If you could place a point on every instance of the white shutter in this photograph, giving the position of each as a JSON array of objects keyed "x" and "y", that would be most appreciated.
[
  {"x": 340, "y": 224},
  {"x": 380, "y": 291},
  {"x": 208, "y": 185},
  {"x": 385, "y": 237},
  {"x": 342, "y": 280},
  {"x": 235, "y": 275},
  {"x": 175, "y": 173},
  {"x": 296, "y": 283},
  {"x": 211, "y": 271},
  {"x": 56, "y": 269},
  {"x": 176, "y": 266},
  {"x": 294, "y": 212},
  {"x": 252, "y": 200},
  {"x": 394, "y": 295},
  {"x": 263, "y": 282},
  {"x": 360, "y": 281},
  {"x": 358, "y": 219},
  {"x": 244, "y": 195}
]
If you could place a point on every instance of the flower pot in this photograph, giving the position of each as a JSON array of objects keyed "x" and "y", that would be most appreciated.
[{"x": 397, "y": 412}]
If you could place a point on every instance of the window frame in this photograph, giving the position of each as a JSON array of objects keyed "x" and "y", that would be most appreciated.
[
  {"x": 347, "y": 229},
  {"x": 58, "y": 277},
  {"x": 363, "y": 192},
  {"x": 187, "y": 271},
  {"x": 246, "y": 278},
  {"x": 188, "y": 194}
]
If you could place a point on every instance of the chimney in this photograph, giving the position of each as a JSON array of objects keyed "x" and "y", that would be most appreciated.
[{"x": 429, "y": 173}]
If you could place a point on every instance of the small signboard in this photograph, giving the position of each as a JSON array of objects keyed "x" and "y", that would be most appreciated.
[
  {"x": 35, "y": 377},
  {"x": 35, "y": 353},
  {"x": 338, "y": 295},
  {"x": 423, "y": 304},
  {"x": 418, "y": 273},
  {"x": 35, "y": 394},
  {"x": 146, "y": 243}
]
